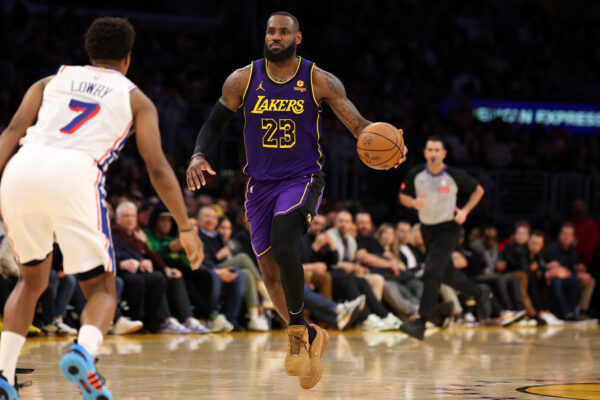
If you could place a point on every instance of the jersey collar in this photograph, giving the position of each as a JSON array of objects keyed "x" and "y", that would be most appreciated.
[
  {"x": 438, "y": 174},
  {"x": 266, "y": 71}
]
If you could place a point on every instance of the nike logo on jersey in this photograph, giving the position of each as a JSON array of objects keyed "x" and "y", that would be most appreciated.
[{"x": 95, "y": 89}]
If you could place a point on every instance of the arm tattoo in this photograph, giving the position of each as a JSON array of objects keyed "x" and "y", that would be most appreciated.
[
  {"x": 234, "y": 86},
  {"x": 343, "y": 108}
]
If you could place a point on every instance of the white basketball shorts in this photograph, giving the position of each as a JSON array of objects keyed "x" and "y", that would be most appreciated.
[{"x": 49, "y": 194}]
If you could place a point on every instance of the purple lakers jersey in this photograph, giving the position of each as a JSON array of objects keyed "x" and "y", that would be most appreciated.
[{"x": 282, "y": 124}]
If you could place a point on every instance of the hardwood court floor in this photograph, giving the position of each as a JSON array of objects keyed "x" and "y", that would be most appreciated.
[{"x": 484, "y": 363}]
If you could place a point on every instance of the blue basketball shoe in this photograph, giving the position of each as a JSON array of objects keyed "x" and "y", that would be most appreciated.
[
  {"x": 79, "y": 367},
  {"x": 7, "y": 391}
]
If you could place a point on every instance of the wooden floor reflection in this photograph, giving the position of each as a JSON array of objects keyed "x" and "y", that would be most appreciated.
[{"x": 486, "y": 363}]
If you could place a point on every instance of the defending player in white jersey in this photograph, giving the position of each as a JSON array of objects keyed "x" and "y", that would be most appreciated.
[{"x": 71, "y": 125}]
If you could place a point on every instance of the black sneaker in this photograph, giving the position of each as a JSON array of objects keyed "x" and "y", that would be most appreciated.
[{"x": 415, "y": 329}]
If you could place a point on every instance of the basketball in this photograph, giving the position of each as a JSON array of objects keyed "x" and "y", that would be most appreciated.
[{"x": 380, "y": 145}]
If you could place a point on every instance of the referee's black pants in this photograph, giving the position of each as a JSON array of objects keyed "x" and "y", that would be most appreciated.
[{"x": 441, "y": 240}]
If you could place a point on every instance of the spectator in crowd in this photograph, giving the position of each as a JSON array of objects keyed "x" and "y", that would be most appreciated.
[
  {"x": 254, "y": 281},
  {"x": 400, "y": 292},
  {"x": 228, "y": 282},
  {"x": 318, "y": 255},
  {"x": 586, "y": 232},
  {"x": 482, "y": 268},
  {"x": 318, "y": 246},
  {"x": 374, "y": 315},
  {"x": 9, "y": 272},
  {"x": 512, "y": 260},
  {"x": 148, "y": 280},
  {"x": 369, "y": 250},
  {"x": 241, "y": 236},
  {"x": 411, "y": 256},
  {"x": 567, "y": 276},
  {"x": 535, "y": 265},
  {"x": 340, "y": 315},
  {"x": 61, "y": 288},
  {"x": 225, "y": 229},
  {"x": 205, "y": 292},
  {"x": 161, "y": 238}
]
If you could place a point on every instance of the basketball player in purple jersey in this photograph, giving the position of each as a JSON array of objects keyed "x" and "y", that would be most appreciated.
[{"x": 280, "y": 97}]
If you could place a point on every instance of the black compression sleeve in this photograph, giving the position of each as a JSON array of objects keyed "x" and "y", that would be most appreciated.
[{"x": 208, "y": 136}]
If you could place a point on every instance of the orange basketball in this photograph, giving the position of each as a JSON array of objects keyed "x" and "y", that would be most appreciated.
[{"x": 380, "y": 145}]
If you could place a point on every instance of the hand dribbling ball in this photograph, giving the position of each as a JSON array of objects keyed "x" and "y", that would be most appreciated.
[{"x": 380, "y": 145}]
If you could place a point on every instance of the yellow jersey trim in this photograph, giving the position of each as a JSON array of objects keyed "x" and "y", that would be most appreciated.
[
  {"x": 261, "y": 254},
  {"x": 312, "y": 88},
  {"x": 319, "y": 142},
  {"x": 301, "y": 199},
  {"x": 244, "y": 137},
  {"x": 247, "y": 85},
  {"x": 284, "y": 82}
]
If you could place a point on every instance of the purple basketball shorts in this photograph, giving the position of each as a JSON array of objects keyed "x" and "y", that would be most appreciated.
[{"x": 267, "y": 199}]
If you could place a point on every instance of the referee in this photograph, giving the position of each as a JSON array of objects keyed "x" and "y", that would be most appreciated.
[{"x": 432, "y": 189}]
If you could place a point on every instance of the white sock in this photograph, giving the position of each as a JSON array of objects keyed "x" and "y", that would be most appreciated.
[
  {"x": 10, "y": 348},
  {"x": 90, "y": 338}
]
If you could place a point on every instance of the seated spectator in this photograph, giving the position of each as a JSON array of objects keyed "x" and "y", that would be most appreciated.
[
  {"x": 228, "y": 281},
  {"x": 316, "y": 245},
  {"x": 62, "y": 287},
  {"x": 513, "y": 260},
  {"x": 9, "y": 273},
  {"x": 254, "y": 281},
  {"x": 530, "y": 266},
  {"x": 225, "y": 229},
  {"x": 369, "y": 250},
  {"x": 567, "y": 276},
  {"x": 348, "y": 282},
  {"x": 122, "y": 325},
  {"x": 341, "y": 315},
  {"x": 586, "y": 232},
  {"x": 401, "y": 292},
  {"x": 162, "y": 239},
  {"x": 316, "y": 255},
  {"x": 241, "y": 235},
  {"x": 535, "y": 264},
  {"x": 483, "y": 258},
  {"x": 148, "y": 280},
  {"x": 411, "y": 256}
]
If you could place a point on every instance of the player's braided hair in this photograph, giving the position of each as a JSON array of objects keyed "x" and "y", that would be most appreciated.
[{"x": 109, "y": 38}]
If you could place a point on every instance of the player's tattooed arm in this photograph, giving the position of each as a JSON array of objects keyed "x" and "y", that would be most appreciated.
[
  {"x": 234, "y": 88},
  {"x": 328, "y": 88},
  {"x": 25, "y": 116}
]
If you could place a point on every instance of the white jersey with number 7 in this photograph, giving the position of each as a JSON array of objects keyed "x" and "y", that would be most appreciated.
[{"x": 85, "y": 108}]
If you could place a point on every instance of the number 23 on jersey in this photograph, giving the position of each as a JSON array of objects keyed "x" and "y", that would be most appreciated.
[{"x": 286, "y": 126}]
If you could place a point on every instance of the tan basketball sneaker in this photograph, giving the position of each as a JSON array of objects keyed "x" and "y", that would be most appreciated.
[
  {"x": 317, "y": 348},
  {"x": 297, "y": 360}
]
